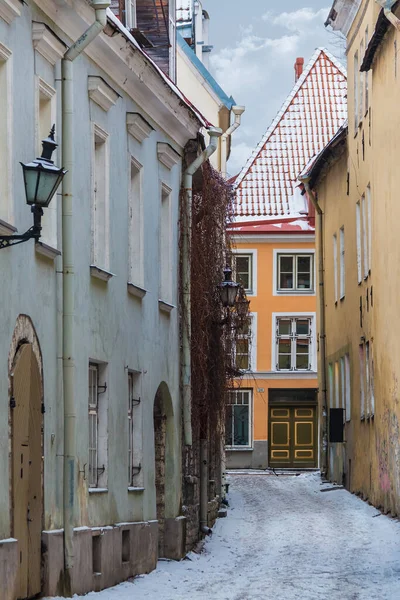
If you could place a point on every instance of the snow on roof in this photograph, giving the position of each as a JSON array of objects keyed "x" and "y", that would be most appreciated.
[
  {"x": 311, "y": 115},
  {"x": 174, "y": 88},
  {"x": 184, "y": 11}
]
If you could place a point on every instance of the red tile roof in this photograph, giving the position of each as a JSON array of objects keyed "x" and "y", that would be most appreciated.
[{"x": 310, "y": 117}]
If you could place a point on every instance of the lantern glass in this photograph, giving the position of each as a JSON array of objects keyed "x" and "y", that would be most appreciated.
[{"x": 41, "y": 182}]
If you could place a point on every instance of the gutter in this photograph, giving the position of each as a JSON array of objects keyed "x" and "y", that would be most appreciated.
[
  {"x": 214, "y": 133},
  {"x": 387, "y": 11},
  {"x": 70, "y": 470},
  {"x": 237, "y": 111},
  {"x": 322, "y": 328}
]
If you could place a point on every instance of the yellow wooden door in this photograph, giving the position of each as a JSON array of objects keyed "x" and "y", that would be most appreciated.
[
  {"x": 292, "y": 437},
  {"x": 27, "y": 469}
]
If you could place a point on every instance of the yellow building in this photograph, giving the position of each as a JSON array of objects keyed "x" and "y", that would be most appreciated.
[
  {"x": 354, "y": 181},
  {"x": 272, "y": 416}
]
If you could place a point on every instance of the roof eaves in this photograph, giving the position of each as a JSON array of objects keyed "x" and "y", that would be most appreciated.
[
  {"x": 285, "y": 106},
  {"x": 205, "y": 73},
  {"x": 116, "y": 23},
  {"x": 381, "y": 27},
  {"x": 314, "y": 169}
]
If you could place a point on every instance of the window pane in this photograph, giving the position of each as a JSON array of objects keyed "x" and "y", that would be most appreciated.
[
  {"x": 286, "y": 264},
  {"x": 304, "y": 264},
  {"x": 304, "y": 272},
  {"x": 284, "y": 346},
  {"x": 284, "y": 361},
  {"x": 241, "y": 425},
  {"x": 228, "y": 425},
  {"x": 286, "y": 272},
  {"x": 243, "y": 267},
  {"x": 302, "y": 354},
  {"x": 302, "y": 327},
  {"x": 284, "y": 327}
]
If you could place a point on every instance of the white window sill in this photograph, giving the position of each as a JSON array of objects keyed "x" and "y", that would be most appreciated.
[
  {"x": 238, "y": 449},
  {"x": 136, "y": 490},
  {"x": 46, "y": 250},
  {"x": 7, "y": 228},
  {"x": 99, "y": 273},
  {"x": 165, "y": 307},
  {"x": 98, "y": 490},
  {"x": 295, "y": 292},
  {"x": 136, "y": 290}
]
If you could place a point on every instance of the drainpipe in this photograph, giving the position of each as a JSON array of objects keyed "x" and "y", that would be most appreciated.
[
  {"x": 70, "y": 474},
  {"x": 237, "y": 111},
  {"x": 387, "y": 9},
  {"x": 322, "y": 329},
  {"x": 204, "y": 487},
  {"x": 214, "y": 133}
]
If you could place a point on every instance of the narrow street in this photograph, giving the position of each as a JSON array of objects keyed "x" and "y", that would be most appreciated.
[{"x": 284, "y": 538}]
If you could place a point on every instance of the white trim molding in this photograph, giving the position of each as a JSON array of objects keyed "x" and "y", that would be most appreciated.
[
  {"x": 167, "y": 155},
  {"x": 9, "y": 9},
  {"x": 99, "y": 273},
  {"x": 303, "y": 252},
  {"x": 136, "y": 290},
  {"x": 138, "y": 127},
  {"x": 165, "y": 307},
  {"x": 313, "y": 351},
  {"x": 47, "y": 43},
  {"x": 238, "y": 251},
  {"x": 267, "y": 238},
  {"x": 101, "y": 93}
]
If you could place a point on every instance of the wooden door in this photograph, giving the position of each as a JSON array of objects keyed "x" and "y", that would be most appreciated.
[
  {"x": 292, "y": 435},
  {"x": 27, "y": 470}
]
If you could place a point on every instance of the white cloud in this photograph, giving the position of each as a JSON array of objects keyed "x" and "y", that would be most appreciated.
[{"x": 297, "y": 20}]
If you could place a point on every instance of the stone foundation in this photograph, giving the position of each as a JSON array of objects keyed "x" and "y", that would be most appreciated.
[
  {"x": 8, "y": 568},
  {"x": 248, "y": 459},
  {"x": 175, "y": 538}
]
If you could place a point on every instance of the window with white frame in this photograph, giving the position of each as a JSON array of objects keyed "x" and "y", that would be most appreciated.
[
  {"x": 165, "y": 245},
  {"x": 295, "y": 273},
  {"x": 5, "y": 134},
  {"x": 243, "y": 270},
  {"x": 100, "y": 200},
  {"x": 335, "y": 267},
  {"x": 98, "y": 437},
  {"x": 46, "y": 118},
  {"x": 342, "y": 264},
  {"x": 366, "y": 76},
  {"x": 356, "y": 92},
  {"x": 130, "y": 14},
  {"x": 358, "y": 242},
  {"x": 238, "y": 419},
  {"x": 243, "y": 345},
  {"x": 136, "y": 269},
  {"x": 361, "y": 85},
  {"x": 294, "y": 343},
  {"x": 348, "y": 386},
  {"x": 364, "y": 237},
  {"x": 331, "y": 386},
  {"x": 135, "y": 475},
  {"x": 369, "y": 225},
  {"x": 172, "y": 40}
]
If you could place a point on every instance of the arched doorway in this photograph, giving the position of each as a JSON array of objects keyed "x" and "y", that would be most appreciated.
[
  {"x": 26, "y": 467},
  {"x": 163, "y": 440}
]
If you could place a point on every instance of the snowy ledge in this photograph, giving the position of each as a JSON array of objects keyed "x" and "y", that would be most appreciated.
[
  {"x": 98, "y": 490},
  {"x": 135, "y": 489}
]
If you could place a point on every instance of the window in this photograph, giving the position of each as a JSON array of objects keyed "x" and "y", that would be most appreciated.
[
  {"x": 364, "y": 237},
  {"x": 362, "y": 380},
  {"x": 5, "y": 134},
  {"x": 100, "y": 200},
  {"x": 97, "y": 426},
  {"x": 130, "y": 14},
  {"x": 347, "y": 387},
  {"x": 293, "y": 344},
  {"x": 295, "y": 273},
  {"x": 331, "y": 387},
  {"x": 46, "y": 117},
  {"x": 369, "y": 225},
  {"x": 238, "y": 419},
  {"x": 342, "y": 264},
  {"x": 172, "y": 38},
  {"x": 165, "y": 245},
  {"x": 335, "y": 267},
  {"x": 135, "y": 224},
  {"x": 243, "y": 270},
  {"x": 243, "y": 347},
  {"x": 135, "y": 476},
  {"x": 356, "y": 92},
  {"x": 366, "y": 75},
  {"x": 337, "y": 390},
  {"x": 361, "y": 85},
  {"x": 358, "y": 234},
  {"x": 368, "y": 381}
]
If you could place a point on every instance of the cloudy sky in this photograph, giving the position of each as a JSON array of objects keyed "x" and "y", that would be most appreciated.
[{"x": 255, "y": 47}]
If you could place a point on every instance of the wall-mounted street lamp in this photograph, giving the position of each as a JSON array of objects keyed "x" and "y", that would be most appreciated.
[
  {"x": 228, "y": 289},
  {"x": 41, "y": 179}
]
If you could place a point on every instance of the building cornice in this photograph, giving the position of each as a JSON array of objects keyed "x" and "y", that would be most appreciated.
[
  {"x": 268, "y": 238},
  {"x": 9, "y": 9}
]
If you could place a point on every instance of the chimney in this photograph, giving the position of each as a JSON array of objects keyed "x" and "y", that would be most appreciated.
[{"x": 298, "y": 68}]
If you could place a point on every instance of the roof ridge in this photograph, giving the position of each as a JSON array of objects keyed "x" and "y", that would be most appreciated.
[{"x": 297, "y": 86}]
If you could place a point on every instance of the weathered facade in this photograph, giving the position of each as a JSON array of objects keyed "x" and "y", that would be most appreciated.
[
  {"x": 90, "y": 409},
  {"x": 355, "y": 185},
  {"x": 272, "y": 416}
]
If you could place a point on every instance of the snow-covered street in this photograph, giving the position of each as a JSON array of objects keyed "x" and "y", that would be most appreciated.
[{"x": 283, "y": 539}]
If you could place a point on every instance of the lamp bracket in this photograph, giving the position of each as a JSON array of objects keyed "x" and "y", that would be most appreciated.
[{"x": 32, "y": 233}]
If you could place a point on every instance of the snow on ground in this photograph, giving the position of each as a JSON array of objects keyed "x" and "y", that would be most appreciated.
[{"x": 283, "y": 539}]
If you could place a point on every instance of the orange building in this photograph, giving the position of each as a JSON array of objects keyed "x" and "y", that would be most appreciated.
[{"x": 272, "y": 416}]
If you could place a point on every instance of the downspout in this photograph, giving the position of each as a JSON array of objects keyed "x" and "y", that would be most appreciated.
[
  {"x": 237, "y": 111},
  {"x": 322, "y": 328},
  {"x": 214, "y": 133},
  {"x": 70, "y": 474}
]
